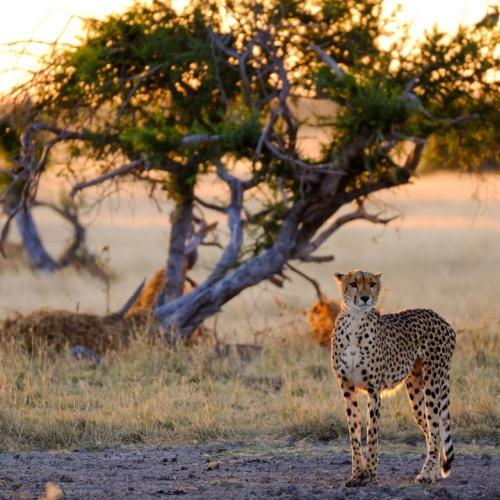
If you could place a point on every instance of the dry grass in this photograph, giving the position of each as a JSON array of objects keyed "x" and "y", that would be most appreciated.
[
  {"x": 163, "y": 396},
  {"x": 444, "y": 255},
  {"x": 57, "y": 329}
]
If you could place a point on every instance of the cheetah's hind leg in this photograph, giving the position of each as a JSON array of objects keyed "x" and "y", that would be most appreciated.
[
  {"x": 447, "y": 445},
  {"x": 432, "y": 394}
]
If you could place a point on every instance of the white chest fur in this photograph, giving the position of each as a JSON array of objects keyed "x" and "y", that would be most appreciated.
[
  {"x": 352, "y": 363},
  {"x": 352, "y": 348}
]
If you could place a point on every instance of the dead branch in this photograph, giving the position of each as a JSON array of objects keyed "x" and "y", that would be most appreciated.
[
  {"x": 410, "y": 138},
  {"x": 277, "y": 281},
  {"x": 314, "y": 283},
  {"x": 230, "y": 254},
  {"x": 76, "y": 253},
  {"x": 211, "y": 206},
  {"x": 360, "y": 213},
  {"x": 130, "y": 302},
  {"x": 318, "y": 258},
  {"x": 263, "y": 139},
  {"x": 123, "y": 170},
  {"x": 461, "y": 119},
  {"x": 306, "y": 167},
  {"x": 230, "y": 179},
  {"x": 137, "y": 79},
  {"x": 6, "y": 228},
  {"x": 413, "y": 159},
  {"x": 196, "y": 239},
  {"x": 327, "y": 59},
  {"x": 242, "y": 58},
  {"x": 199, "y": 139},
  {"x": 231, "y": 251}
]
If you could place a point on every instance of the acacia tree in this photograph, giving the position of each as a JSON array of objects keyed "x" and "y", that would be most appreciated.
[
  {"x": 12, "y": 185},
  {"x": 181, "y": 98}
]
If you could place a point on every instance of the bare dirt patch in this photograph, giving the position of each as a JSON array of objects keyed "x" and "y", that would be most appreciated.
[{"x": 236, "y": 470}]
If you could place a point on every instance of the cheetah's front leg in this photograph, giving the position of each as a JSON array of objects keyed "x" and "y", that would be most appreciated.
[
  {"x": 372, "y": 432},
  {"x": 358, "y": 477}
]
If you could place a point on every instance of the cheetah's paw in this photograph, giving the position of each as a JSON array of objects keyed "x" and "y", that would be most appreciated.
[
  {"x": 426, "y": 477},
  {"x": 361, "y": 480}
]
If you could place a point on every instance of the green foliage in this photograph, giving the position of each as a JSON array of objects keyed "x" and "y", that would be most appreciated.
[
  {"x": 155, "y": 135},
  {"x": 240, "y": 129},
  {"x": 373, "y": 105},
  {"x": 10, "y": 143},
  {"x": 147, "y": 75},
  {"x": 458, "y": 149},
  {"x": 142, "y": 81},
  {"x": 10, "y": 146}
]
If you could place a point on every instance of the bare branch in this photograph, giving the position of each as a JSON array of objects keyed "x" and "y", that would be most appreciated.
[
  {"x": 211, "y": 206},
  {"x": 408, "y": 90},
  {"x": 130, "y": 302},
  {"x": 360, "y": 213},
  {"x": 62, "y": 133},
  {"x": 123, "y": 170},
  {"x": 186, "y": 312},
  {"x": 461, "y": 119},
  {"x": 6, "y": 228},
  {"x": 28, "y": 148},
  {"x": 214, "y": 243},
  {"x": 199, "y": 139},
  {"x": 318, "y": 258},
  {"x": 314, "y": 283},
  {"x": 196, "y": 239},
  {"x": 409, "y": 138},
  {"x": 242, "y": 59},
  {"x": 71, "y": 217},
  {"x": 327, "y": 59},
  {"x": 137, "y": 79},
  {"x": 312, "y": 168},
  {"x": 413, "y": 159},
  {"x": 275, "y": 113},
  {"x": 231, "y": 179},
  {"x": 232, "y": 248}
]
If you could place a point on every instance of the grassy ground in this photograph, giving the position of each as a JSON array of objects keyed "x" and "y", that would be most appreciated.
[
  {"x": 443, "y": 255},
  {"x": 161, "y": 396}
]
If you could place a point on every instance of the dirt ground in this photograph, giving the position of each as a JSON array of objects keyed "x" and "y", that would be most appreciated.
[{"x": 236, "y": 470}]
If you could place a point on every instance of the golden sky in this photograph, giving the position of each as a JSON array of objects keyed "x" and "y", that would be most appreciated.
[{"x": 45, "y": 20}]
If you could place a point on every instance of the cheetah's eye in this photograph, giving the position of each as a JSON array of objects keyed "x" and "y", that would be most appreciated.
[
  {"x": 353, "y": 284},
  {"x": 373, "y": 284}
]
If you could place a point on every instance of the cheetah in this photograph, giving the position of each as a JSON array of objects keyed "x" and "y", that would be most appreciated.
[{"x": 373, "y": 353}]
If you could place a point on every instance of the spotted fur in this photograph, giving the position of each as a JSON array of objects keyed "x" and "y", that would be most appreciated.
[{"x": 374, "y": 353}]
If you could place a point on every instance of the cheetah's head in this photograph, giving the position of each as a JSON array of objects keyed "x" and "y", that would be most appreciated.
[{"x": 359, "y": 289}]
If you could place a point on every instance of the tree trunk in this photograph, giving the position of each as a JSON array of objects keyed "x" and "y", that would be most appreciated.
[
  {"x": 37, "y": 254},
  {"x": 201, "y": 306},
  {"x": 182, "y": 219},
  {"x": 183, "y": 315}
]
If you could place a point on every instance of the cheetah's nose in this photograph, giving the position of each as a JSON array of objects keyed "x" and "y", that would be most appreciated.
[{"x": 365, "y": 298}]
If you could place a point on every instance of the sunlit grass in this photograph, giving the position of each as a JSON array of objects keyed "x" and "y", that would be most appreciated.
[{"x": 162, "y": 396}]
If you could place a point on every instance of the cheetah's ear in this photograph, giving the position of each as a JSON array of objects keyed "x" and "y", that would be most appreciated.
[
  {"x": 339, "y": 276},
  {"x": 378, "y": 275}
]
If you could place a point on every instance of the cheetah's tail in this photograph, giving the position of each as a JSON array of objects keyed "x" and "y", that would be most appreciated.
[{"x": 447, "y": 444}]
